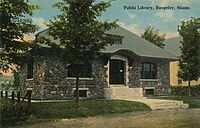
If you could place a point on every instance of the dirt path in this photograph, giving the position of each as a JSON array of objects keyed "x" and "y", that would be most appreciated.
[{"x": 155, "y": 119}]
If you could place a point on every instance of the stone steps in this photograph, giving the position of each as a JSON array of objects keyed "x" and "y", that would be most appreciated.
[
  {"x": 123, "y": 92},
  {"x": 127, "y": 93}
]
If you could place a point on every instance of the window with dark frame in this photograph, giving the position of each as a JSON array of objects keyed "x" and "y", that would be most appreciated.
[
  {"x": 149, "y": 71},
  {"x": 30, "y": 69},
  {"x": 82, "y": 93},
  {"x": 85, "y": 71},
  {"x": 149, "y": 92}
]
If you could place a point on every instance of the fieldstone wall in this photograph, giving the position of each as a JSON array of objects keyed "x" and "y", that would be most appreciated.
[
  {"x": 50, "y": 80},
  {"x": 37, "y": 82},
  {"x": 161, "y": 84},
  {"x": 134, "y": 74},
  {"x": 59, "y": 86},
  {"x": 164, "y": 78}
]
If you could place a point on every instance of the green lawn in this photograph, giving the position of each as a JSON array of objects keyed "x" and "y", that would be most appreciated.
[
  {"x": 193, "y": 101},
  {"x": 87, "y": 108},
  {"x": 41, "y": 111}
]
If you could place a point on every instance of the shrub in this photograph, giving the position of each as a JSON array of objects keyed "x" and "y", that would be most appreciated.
[
  {"x": 183, "y": 90},
  {"x": 12, "y": 113}
]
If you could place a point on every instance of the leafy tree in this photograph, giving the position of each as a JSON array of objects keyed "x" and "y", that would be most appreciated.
[
  {"x": 13, "y": 27},
  {"x": 154, "y": 36},
  {"x": 189, "y": 61},
  {"x": 80, "y": 34}
]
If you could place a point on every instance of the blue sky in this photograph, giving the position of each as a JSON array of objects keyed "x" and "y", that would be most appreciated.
[{"x": 132, "y": 19}]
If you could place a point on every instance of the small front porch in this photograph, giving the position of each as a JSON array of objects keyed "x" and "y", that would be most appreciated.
[
  {"x": 118, "y": 79},
  {"x": 118, "y": 67}
]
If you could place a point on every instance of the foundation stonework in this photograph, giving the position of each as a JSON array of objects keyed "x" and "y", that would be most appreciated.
[{"x": 161, "y": 84}]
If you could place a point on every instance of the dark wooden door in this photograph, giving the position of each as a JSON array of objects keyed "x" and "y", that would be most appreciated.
[{"x": 117, "y": 72}]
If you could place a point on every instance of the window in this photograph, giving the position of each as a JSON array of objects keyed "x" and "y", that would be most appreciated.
[
  {"x": 149, "y": 92},
  {"x": 84, "y": 71},
  {"x": 30, "y": 69},
  {"x": 82, "y": 93},
  {"x": 149, "y": 71}
]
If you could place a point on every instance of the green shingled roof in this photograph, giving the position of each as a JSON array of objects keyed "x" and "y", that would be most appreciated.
[
  {"x": 131, "y": 42},
  {"x": 136, "y": 44},
  {"x": 173, "y": 46}
]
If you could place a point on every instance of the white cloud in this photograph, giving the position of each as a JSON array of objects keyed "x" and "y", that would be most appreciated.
[
  {"x": 159, "y": 2},
  {"x": 166, "y": 15},
  {"x": 131, "y": 27},
  {"x": 171, "y": 34},
  {"x": 185, "y": 20},
  {"x": 167, "y": 2},
  {"x": 40, "y": 22},
  {"x": 130, "y": 15}
]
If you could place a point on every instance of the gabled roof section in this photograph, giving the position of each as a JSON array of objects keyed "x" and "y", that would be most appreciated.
[
  {"x": 45, "y": 34},
  {"x": 130, "y": 42},
  {"x": 136, "y": 44},
  {"x": 173, "y": 46}
]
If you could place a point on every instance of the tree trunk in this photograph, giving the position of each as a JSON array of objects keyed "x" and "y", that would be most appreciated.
[
  {"x": 189, "y": 87},
  {"x": 77, "y": 92},
  {"x": 29, "y": 93}
]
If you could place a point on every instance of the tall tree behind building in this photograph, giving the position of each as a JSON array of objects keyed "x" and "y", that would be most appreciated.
[
  {"x": 189, "y": 61},
  {"x": 154, "y": 36}
]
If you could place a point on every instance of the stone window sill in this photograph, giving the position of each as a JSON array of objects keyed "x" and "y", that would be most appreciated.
[
  {"x": 74, "y": 78},
  {"x": 151, "y": 80},
  {"x": 117, "y": 85},
  {"x": 81, "y": 89},
  {"x": 29, "y": 79},
  {"x": 149, "y": 88}
]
